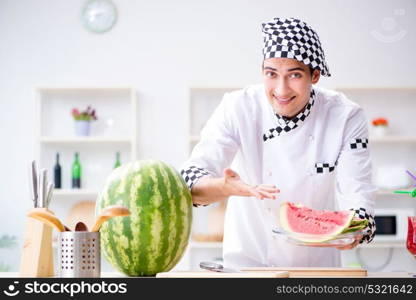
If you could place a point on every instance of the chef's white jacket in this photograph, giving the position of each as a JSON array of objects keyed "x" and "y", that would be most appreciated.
[{"x": 320, "y": 158}]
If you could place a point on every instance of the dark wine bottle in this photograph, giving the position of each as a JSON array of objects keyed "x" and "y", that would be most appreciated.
[
  {"x": 76, "y": 172},
  {"x": 118, "y": 163},
  {"x": 57, "y": 173}
]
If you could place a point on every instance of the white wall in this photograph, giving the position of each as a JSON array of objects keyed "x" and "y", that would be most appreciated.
[{"x": 163, "y": 47}]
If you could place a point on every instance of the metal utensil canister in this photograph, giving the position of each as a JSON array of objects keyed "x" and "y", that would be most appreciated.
[{"x": 79, "y": 254}]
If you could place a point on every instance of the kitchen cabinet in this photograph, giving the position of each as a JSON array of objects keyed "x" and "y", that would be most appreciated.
[
  {"x": 392, "y": 154},
  {"x": 114, "y": 131}
]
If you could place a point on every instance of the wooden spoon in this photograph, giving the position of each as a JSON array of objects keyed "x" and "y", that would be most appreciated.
[
  {"x": 47, "y": 218},
  {"x": 110, "y": 212},
  {"x": 81, "y": 227}
]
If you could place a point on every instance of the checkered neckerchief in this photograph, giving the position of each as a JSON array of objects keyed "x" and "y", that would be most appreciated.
[{"x": 286, "y": 125}]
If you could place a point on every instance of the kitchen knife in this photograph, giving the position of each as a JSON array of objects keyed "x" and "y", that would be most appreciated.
[
  {"x": 42, "y": 188},
  {"x": 34, "y": 183},
  {"x": 49, "y": 194},
  {"x": 211, "y": 266}
]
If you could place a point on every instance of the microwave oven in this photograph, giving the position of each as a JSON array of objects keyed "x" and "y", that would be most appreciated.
[{"x": 391, "y": 224}]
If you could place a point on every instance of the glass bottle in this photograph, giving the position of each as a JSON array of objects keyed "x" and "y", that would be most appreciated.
[
  {"x": 76, "y": 172},
  {"x": 118, "y": 163},
  {"x": 57, "y": 173}
]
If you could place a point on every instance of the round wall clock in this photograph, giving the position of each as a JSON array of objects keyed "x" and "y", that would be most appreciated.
[{"x": 99, "y": 15}]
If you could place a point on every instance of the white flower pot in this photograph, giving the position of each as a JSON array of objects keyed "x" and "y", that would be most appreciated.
[
  {"x": 380, "y": 131},
  {"x": 82, "y": 128}
]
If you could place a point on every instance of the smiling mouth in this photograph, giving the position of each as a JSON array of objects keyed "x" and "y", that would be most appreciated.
[{"x": 284, "y": 101}]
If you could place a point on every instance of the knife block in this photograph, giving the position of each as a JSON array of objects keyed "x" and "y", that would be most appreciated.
[{"x": 37, "y": 255}]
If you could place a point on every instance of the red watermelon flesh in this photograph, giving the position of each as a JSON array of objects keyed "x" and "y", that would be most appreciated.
[{"x": 311, "y": 225}]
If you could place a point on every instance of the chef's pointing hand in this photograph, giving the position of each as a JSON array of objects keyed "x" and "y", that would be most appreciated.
[
  {"x": 209, "y": 190},
  {"x": 234, "y": 186}
]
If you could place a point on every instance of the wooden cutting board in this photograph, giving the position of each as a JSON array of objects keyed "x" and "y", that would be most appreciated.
[
  {"x": 210, "y": 274},
  {"x": 312, "y": 272}
]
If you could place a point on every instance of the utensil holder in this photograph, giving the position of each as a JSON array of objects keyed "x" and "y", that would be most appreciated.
[
  {"x": 79, "y": 254},
  {"x": 37, "y": 255}
]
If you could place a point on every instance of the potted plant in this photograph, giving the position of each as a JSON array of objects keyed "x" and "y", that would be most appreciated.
[
  {"x": 83, "y": 120},
  {"x": 380, "y": 126}
]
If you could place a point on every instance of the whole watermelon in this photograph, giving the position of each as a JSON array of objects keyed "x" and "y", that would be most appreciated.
[{"x": 154, "y": 237}]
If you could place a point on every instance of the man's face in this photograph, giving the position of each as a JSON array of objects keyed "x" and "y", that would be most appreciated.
[{"x": 288, "y": 84}]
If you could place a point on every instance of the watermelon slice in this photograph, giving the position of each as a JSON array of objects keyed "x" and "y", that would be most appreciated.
[
  {"x": 315, "y": 226},
  {"x": 356, "y": 224}
]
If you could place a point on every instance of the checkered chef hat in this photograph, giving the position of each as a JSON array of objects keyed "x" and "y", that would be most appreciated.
[{"x": 292, "y": 38}]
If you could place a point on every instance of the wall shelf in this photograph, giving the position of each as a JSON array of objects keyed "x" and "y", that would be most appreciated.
[
  {"x": 393, "y": 139},
  {"x": 76, "y": 89},
  {"x": 114, "y": 131},
  {"x": 78, "y": 140},
  {"x": 81, "y": 193},
  {"x": 391, "y": 191},
  {"x": 205, "y": 245}
]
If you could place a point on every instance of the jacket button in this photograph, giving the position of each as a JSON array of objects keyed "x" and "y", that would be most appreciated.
[
  {"x": 311, "y": 138},
  {"x": 269, "y": 173}
]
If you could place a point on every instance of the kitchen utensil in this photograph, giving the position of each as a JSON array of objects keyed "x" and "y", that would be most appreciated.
[
  {"x": 211, "y": 266},
  {"x": 47, "y": 218},
  {"x": 43, "y": 177},
  {"x": 33, "y": 183},
  {"x": 49, "y": 194},
  {"x": 411, "y": 193},
  {"x": 110, "y": 212},
  {"x": 411, "y": 175},
  {"x": 79, "y": 254},
  {"x": 37, "y": 255},
  {"x": 81, "y": 227},
  {"x": 83, "y": 211}
]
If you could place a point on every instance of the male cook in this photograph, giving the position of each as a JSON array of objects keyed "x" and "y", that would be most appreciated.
[{"x": 284, "y": 136}]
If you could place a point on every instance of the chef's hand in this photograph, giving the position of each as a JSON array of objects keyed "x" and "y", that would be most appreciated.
[
  {"x": 234, "y": 186},
  {"x": 354, "y": 244}
]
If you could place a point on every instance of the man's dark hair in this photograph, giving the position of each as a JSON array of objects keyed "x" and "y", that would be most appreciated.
[{"x": 310, "y": 68}]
